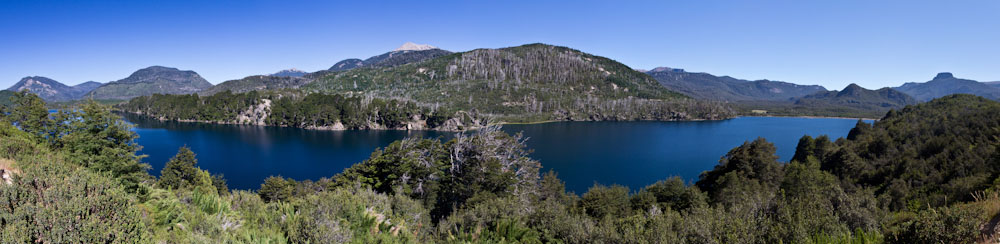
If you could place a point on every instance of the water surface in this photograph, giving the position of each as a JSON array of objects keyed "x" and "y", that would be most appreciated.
[{"x": 633, "y": 154}]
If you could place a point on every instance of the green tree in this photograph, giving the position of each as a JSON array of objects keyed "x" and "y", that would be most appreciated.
[
  {"x": 753, "y": 160},
  {"x": 603, "y": 201},
  {"x": 103, "y": 142},
  {"x": 276, "y": 188},
  {"x": 181, "y": 171},
  {"x": 29, "y": 114}
]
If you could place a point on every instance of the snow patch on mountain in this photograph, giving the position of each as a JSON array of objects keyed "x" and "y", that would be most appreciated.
[{"x": 409, "y": 46}]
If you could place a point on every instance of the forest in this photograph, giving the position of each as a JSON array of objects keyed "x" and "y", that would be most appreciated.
[
  {"x": 926, "y": 173},
  {"x": 297, "y": 109}
]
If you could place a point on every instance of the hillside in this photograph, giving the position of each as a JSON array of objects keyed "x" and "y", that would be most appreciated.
[
  {"x": 290, "y": 73},
  {"x": 152, "y": 80},
  {"x": 725, "y": 88},
  {"x": 51, "y": 90},
  {"x": 993, "y": 83},
  {"x": 946, "y": 84},
  {"x": 534, "y": 82},
  {"x": 257, "y": 83},
  {"x": 400, "y": 56},
  {"x": 86, "y": 87}
]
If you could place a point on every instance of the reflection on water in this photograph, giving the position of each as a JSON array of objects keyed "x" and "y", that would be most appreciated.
[{"x": 633, "y": 154}]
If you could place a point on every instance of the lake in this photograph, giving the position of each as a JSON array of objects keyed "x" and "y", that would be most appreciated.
[{"x": 633, "y": 154}]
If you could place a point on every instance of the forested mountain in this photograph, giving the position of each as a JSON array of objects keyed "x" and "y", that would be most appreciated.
[
  {"x": 52, "y": 90},
  {"x": 152, "y": 80},
  {"x": 257, "y": 83},
  {"x": 725, "y": 88},
  {"x": 926, "y": 173},
  {"x": 290, "y": 73},
  {"x": 946, "y": 84},
  {"x": 857, "y": 97},
  {"x": 526, "y": 83},
  {"x": 403, "y": 55},
  {"x": 347, "y": 64},
  {"x": 993, "y": 83}
]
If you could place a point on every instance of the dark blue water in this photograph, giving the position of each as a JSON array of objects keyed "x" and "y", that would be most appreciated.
[{"x": 633, "y": 154}]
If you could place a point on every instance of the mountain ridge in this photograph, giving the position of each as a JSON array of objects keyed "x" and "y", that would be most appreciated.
[
  {"x": 152, "y": 80},
  {"x": 946, "y": 83},
  {"x": 725, "y": 88},
  {"x": 52, "y": 90},
  {"x": 541, "y": 81}
]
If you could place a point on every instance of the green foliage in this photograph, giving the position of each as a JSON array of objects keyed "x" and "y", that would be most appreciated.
[
  {"x": 924, "y": 155},
  {"x": 29, "y": 114},
  {"x": 103, "y": 142},
  {"x": 50, "y": 200},
  {"x": 276, "y": 188},
  {"x": 602, "y": 201},
  {"x": 753, "y": 161},
  {"x": 180, "y": 171},
  {"x": 956, "y": 224}
]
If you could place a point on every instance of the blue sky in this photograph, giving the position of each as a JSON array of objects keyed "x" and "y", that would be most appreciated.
[{"x": 830, "y": 43}]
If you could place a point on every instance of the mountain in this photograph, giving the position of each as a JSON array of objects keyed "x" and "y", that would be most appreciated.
[
  {"x": 347, "y": 64},
  {"x": 256, "y": 83},
  {"x": 152, "y": 80},
  {"x": 993, "y": 83},
  {"x": 856, "y": 97},
  {"x": 407, "y": 53},
  {"x": 725, "y": 88},
  {"x": 84, "y": 88},
  {"x": 290, "y": 73},
  {"x": 51, "y": 90},
  {"x": 946, "y": 84},
  {"x": 532, "y": 82},
  {"x": 409, "y": 46}
]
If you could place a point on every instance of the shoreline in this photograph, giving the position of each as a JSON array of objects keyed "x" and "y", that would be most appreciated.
[
  {"x": 811, "y": 117},
  {"x": 400, "y": 129}
]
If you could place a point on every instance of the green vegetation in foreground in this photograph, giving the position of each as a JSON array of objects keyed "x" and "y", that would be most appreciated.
[
  {"x": 5, "y": 97},
  {"x": 924, "y": 174},
  {"x": 534, "y": 82}
]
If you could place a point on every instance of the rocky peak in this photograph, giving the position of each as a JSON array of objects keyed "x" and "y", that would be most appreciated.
[
  {"x": 409, "y": 46},
  {"x": 944, "y": 75}
]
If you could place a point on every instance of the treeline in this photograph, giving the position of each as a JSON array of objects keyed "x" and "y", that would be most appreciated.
[
  {"x": 482, "y": 188},
  {"x": 314, "y": 110}
]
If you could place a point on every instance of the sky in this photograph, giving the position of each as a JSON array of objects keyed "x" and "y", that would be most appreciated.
[{"x": 830, "y": 43}]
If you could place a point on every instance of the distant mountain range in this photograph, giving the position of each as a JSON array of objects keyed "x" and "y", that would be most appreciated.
[
  {"x": 51, "y": 90},
  {"x": 946, "y": 84},
  {"x": 542, "y": 80},
  {"x": 152, "y": 80},
  {"x": 858, "y": 97},
  {"x": 290, "y": 73},
  {"x": 725, "y": 88}
]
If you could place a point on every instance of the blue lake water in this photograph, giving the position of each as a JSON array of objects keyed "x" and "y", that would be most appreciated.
[{"x": 634, "y": 154}]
